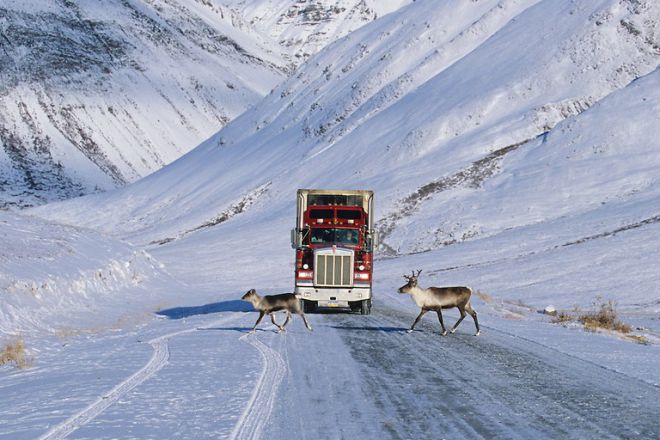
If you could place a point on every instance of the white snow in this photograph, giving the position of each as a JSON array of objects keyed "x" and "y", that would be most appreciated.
[
  {"x": 96, "y": 96},
  {"x": 511, "y": 146},
  {"x": 55, "y": 277}
]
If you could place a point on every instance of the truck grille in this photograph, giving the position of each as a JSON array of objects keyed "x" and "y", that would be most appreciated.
[{"x": 334, "y": 269}]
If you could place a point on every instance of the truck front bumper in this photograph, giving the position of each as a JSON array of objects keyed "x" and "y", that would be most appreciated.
[{"x": 333, "y": 296}]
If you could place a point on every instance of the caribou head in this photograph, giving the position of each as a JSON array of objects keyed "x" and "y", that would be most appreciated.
[{"x": 412, "y": 282}]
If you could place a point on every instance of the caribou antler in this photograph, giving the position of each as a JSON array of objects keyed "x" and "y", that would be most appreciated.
[{"x": 413, "y": 276}]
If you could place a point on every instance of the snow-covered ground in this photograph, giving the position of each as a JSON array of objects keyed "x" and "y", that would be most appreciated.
[
  {"x": 55, "y": 278},
  {"x": 512, "y": 147},
  {"x": 191, "y": 370}
]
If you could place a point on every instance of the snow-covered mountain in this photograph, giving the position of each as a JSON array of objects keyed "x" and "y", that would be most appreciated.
[
  {"x": 511, "y": 146},
  {"x": 423, "y": 105},
  {"x": 98, "y": 95},
  {"x": 94, "y": 96}
]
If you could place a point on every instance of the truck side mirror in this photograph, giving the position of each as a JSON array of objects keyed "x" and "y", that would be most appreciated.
[
  {"x": 375, "y": 239},
  {"x": 294, "y": 238}
]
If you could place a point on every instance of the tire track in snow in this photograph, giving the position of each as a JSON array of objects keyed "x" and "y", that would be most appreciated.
[
  {"x": 253, "y": 420},
  {"x": 158, "y": 360}
]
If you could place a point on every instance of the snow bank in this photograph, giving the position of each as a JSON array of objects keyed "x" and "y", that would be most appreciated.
[{"x": 54, "y": 276}]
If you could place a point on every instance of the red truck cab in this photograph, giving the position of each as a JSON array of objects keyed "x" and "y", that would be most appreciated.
[{"x": 334, "y": 242}]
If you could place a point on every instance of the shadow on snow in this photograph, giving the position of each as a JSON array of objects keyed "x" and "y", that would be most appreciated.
[{"x": 234, "y": 305}]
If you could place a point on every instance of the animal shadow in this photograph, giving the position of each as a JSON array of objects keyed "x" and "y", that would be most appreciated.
[{"x": 234, "y": 305}]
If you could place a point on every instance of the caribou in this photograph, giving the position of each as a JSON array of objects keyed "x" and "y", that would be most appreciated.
[
  {"x": 438, "y": 298},
  {"x": 268, "y": 304}
]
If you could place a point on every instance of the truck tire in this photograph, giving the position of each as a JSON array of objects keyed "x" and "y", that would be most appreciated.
[{"x": 365, "y": 307}]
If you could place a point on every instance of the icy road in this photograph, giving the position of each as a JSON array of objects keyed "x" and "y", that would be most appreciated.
[{"x": 197, "y": 373}]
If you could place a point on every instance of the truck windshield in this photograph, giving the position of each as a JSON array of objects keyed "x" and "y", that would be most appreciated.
[
  {"x": 334, "y": 199},
  {"x": 334, "y": 236}
]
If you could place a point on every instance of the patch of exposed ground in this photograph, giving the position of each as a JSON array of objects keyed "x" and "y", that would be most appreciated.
[
  {"x": 472, "y": 176},
  {"x": 236, "y": 208},
  {"x": 604, "y": 317},
  {"x": 37, "y": 47},
  {"x": 648, "y": 221},
  {"x": 628, "y": 227},
  {"x": 33, "y": 176}
]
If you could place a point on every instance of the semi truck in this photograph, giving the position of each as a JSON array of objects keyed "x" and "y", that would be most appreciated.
[{"x": 334, "y": 240}]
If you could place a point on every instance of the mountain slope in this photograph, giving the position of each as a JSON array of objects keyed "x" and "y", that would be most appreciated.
[
  {"x": 96, "y": 96},
  {"x": 422, "y": 105}
]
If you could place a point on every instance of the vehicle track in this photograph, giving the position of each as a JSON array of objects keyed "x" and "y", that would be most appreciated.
[
  {"x": 492, "y": 386},
  {"x": 252, "y": 422},
  {"x": 158, "y": 360}
]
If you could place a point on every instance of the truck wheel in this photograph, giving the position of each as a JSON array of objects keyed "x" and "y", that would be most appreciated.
[
  {"x": 365, "y": 307},
  {"x": 356, "y": 306}
]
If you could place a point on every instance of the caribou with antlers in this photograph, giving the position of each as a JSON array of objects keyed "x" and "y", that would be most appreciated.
[{"x": 438, "y": 298}]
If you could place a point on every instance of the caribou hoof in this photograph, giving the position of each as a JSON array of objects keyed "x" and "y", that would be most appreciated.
[
  {"x": 444, "y": 333},
  {"x": 477, "y": 333},
  {"x": 409, "y": 330}
]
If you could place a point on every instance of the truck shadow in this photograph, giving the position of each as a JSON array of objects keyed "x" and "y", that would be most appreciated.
[{"x": 234, "y": 305}]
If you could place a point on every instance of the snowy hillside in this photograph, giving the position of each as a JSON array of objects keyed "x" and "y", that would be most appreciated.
[
  {"x": 424, "y": 114},
  {"x": 94, "y": 96},
  {"x": 61, "y": 278}
]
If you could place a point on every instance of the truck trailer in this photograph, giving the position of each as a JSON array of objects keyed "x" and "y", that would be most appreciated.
[{"x": 334, "y": 239}]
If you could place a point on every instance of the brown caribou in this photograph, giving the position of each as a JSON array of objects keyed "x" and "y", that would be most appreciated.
[
  {"x": 268, "y": 304},
  {"x": 438, "y": 298}
]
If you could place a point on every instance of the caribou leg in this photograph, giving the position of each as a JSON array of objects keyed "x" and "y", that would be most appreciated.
[
  {"x": 473, "y": 313},
  {"x": 280, "y": 327},
  {"x": 422, "y": 313},
  {"x": 302, "y": 315},
  {"x": 286, "y": 321},
  {"x": 459, "y": 320},
  {"x": 442, "y": 324},
  {"x": 261, "y": 315}
]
